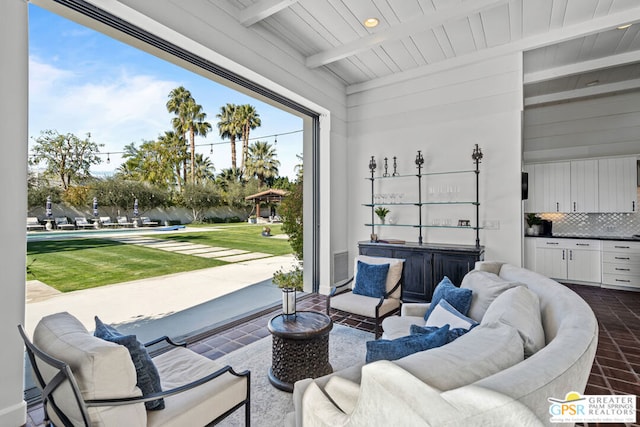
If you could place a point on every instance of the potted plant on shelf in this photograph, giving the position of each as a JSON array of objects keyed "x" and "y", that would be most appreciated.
[
  {"x": 535, "y": 224},
  {"x": 290, "y": 282},
  {"x": 382, "y": 212}
]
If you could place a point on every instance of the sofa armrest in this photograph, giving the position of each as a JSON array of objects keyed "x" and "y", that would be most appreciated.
[{"x": 414, "y": 309}]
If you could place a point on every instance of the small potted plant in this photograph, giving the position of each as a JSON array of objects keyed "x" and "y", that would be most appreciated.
[
  {"x": 290, "y": 282},
  {"x": 535, "y": 224},
  {"x": 382, "y": 212}
]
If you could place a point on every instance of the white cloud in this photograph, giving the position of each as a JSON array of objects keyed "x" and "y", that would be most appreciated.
[{"x": 115, "y": 109}]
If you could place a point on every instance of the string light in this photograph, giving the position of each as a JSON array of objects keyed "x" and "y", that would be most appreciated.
[{"x": 211, "y": 144}]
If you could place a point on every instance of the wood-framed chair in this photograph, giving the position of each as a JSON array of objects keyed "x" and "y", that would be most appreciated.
[
  {"x": 86, "y": 381},
  {"x": 342, "y": 297}
]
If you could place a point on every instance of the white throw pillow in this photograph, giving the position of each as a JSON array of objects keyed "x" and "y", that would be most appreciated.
[
  {"x": 446, "y": 314},
  {"x": 519, "y": 308},
  {"x": 393, "y": 275},
  {"x": 486, "y": 287}
]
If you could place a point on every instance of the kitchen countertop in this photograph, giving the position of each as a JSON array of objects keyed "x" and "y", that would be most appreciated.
[{"x": 567, "y": 236}]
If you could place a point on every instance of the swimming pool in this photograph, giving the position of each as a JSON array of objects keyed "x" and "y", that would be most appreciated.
[{"x": 35, "y": 236}]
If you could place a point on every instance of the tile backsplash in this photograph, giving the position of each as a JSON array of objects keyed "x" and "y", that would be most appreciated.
[{"x": 594, "y": 224}]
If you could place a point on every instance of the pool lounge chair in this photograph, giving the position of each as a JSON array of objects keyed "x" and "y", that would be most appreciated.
[
  {"x": 105, "y": 221},
  {"x": 146, "y": 222},
  {"x": 63, "y": 223},
  {"x": 124, "y": 222},
  {"x": 34, "y": 224},
  {"x": 82, "y": 222}
]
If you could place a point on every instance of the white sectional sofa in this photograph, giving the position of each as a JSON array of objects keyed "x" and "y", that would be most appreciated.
[{"x": 534, "y": 342}]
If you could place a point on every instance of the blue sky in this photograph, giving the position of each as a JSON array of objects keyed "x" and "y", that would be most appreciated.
[{"x": 83, "y": 81}]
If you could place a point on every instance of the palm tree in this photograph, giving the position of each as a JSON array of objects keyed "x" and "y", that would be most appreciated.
[
  {"x": 203, "y": 169},
  {"x": 248, "y": 119},
  {"x": 178, "y": 97},
  {"x": 192, "y": 120},
  {"x": 262, "y": 162},
  {"x": 228, "y": 175},
  {"x": 176, "y": 153},
  {"x": 229, "y": 127}
]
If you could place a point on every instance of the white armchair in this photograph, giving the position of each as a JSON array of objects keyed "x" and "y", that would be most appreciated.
[
  {"x": 88, "y": 381},
  {"x": 344, "y": 299}
]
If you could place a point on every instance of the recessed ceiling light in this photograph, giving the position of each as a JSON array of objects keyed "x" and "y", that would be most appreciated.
[
  {"x": 593, "y": 83},
  {"x": 371, "y": 22},
  {"x": 622, "y": 27}
]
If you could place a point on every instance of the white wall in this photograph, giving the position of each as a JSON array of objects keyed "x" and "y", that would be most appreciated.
[
  {"x": 13, "y": 208},
  {"x": 598, "y": 127},
  {"x": 443, "y": 115}
]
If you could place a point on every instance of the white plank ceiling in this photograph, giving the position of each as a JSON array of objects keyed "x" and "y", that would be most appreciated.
[{"x": 572, "y": 47}]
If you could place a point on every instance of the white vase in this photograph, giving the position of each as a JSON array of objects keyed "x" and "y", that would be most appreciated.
[{"x": 288, "y": 301}]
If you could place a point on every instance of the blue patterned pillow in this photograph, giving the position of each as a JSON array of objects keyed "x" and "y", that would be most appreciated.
[
  {"x": 371, "y": 280},
  {"x": 404, "y": 346},
  {"x": 459, "y": 298},
  {"x": 146, "y": 371},
  {"x": 451, "y": 336}
]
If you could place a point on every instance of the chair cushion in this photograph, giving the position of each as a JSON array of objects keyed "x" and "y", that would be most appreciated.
[
  {"x": 519, "y": 307},
  {"x": 485, "y": 287},
  {"x": 484, "y": 351},
  {"x": 458, "y": 297},
  {"x": 404, "y": 346},
  {"x": 103, "y": 370},
  {"x": 363, "y": 305},
  {"x": 444, "y": 313},
  {"x": 393, "y": 276},
  {"x": 202, "y": 404},
  {"x": 148, "y": 379},
  {"x": 371, "y": 280}
]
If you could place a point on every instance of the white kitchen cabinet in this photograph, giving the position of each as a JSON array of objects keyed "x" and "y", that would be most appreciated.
[
  {"x": 576, "y": 260},
  {"x": 584, "y": 186},
  {"x": 621, "y": 265},
  {"x": 617, "y": 185},
  {"x": 549, "y": 187},
  {"x": 530, "y": 253}
]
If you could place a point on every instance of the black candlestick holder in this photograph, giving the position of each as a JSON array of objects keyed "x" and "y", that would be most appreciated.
[
  {"x": 386, "y": 167},
  {"x": 395, "y": 166}
]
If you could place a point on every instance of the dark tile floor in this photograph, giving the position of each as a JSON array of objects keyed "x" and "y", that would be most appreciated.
[{"x": 616, "y": 369}]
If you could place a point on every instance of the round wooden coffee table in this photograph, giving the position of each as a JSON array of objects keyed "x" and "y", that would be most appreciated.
[{"x": 300, "y": 348}]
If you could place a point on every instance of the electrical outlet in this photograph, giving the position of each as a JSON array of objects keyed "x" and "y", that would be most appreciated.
[{"x": 491, "y": 224}]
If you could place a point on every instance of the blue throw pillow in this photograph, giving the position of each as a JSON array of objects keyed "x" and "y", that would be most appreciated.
[
  {"x": 146, "y": 371},
  {"x": 371, "y": 280},
  {"x": 459, "y": 298},
  {"x": 451, "y": 336},
  {"x": 404, "y": 346}
]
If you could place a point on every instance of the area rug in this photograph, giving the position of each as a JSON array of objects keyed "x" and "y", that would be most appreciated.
[{"x": 270, "y": 405}]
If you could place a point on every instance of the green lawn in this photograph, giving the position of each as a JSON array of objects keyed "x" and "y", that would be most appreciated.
[{"x": 74, "y": 264}]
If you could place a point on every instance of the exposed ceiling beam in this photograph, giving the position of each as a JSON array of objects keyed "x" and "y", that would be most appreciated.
[
  {"x": 582, "y": 67},
  {"x": 416, "y": 26},
  {"x": 584, "y": 92},
  {"x": 552, "y": 37},
  {"x": 262, "y": 10}
]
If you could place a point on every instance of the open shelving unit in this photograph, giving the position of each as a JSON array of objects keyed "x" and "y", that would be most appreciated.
[{"x": 420, "y": 203}]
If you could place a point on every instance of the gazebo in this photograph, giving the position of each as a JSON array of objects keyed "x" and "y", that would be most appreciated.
[{"x": 272, "y": 195}]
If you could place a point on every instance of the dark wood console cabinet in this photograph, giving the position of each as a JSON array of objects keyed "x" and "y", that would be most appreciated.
[{"x": 426, "y": 264}]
